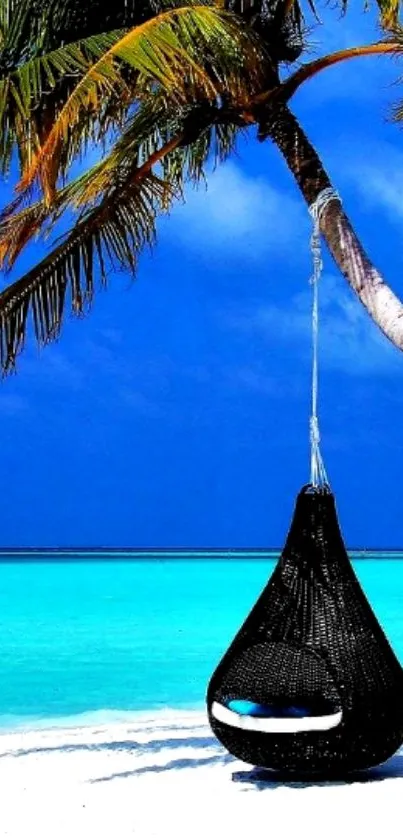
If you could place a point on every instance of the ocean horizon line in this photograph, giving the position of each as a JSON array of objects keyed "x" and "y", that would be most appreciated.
[{"x": 179, "y": 553}]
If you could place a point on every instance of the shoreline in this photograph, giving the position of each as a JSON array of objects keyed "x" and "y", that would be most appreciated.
[
  {"x": 88, "y": 719},
  {"x": 162, "y": 774}
]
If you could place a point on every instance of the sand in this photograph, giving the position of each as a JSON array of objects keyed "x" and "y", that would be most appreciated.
[{"x": 165, "y": 775}]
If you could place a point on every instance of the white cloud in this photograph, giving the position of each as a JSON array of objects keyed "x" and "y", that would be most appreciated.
[
  {"x": 240, "y": 213},
  {"x": 349, "y": 341}
]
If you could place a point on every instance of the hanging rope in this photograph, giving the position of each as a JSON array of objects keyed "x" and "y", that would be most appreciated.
[{"x": 318, "y": 471}]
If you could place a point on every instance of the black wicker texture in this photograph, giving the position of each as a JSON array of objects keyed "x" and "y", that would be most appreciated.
[{"x": 313, "y": 639}]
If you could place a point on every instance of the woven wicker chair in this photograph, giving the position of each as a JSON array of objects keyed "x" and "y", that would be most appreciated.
[{"x": 312, "y": 660}]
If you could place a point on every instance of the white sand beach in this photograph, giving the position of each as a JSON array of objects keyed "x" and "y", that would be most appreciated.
[{"x": 165, "y": 775}]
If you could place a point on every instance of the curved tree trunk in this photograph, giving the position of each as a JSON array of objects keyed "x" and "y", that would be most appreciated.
[{"x": 380, "y": 301}]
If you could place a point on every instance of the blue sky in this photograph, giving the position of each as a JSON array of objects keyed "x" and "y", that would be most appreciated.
[{"x": 177, "y": 413}]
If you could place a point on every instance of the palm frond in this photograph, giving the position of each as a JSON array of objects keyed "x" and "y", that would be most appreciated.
[
  {"x": 152, "y": 127},
  {"x": 119, "y": 228},
  {"x": 25, "y": 27},
  {"x": 18, "y": 229},
  {"x": 279, "y": 23},
  {"x": 169, "y": 51},
  {"x": 118, "y": 201},
  {"x": 4, "y": 20},
  {"x": 388, "y": 13},
  {"x": 24, "y": 92}
]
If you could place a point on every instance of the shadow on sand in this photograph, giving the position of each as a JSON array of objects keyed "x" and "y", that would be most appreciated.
[
  {"x": 252, "y": 778},
  {"x": 173, "y": 765},
  {"x": 131, "y": 745},
  {"x": 260, "y": 778}
]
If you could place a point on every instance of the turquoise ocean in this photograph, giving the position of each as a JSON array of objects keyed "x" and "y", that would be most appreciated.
[{"x": 103, "y": 635}]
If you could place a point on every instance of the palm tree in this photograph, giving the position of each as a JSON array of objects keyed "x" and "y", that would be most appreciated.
[{"x": 161, "y": 87}]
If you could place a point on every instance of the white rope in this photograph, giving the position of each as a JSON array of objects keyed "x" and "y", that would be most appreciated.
[{"x": 318, "y": 471}]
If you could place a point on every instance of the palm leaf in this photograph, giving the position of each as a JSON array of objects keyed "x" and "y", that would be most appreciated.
[
  {"x": 27, "y": 83},
  {"x": 24, "y": 92},
  {"x": 17, "y": 230},
  {"x": 388, "y": 13},
  {"x": 119, "y": 228},
  {"x": 152, "y": 127},
  {"x": 128, "y": 198},
  {"x": 162, "y": 51}
]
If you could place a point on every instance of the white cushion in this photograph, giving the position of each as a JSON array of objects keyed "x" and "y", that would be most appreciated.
[{"x": 271, "y": 725}]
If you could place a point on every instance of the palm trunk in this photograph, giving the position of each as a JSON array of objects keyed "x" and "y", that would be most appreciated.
[{"x": 347, "y": 251}]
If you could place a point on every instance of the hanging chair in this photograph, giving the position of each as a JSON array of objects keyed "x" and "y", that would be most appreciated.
[{"x": 310, "y": 683}]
